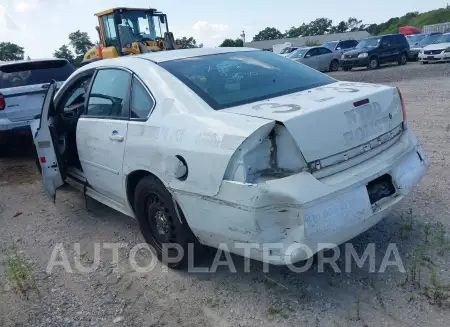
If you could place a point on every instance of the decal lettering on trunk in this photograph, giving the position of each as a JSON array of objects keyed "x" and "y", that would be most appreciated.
[
  {"x": 371, "y": 121},
  {"x": 293, "y": 107}
]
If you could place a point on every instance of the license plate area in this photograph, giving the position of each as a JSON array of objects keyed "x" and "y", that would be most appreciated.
[
  {"x": 380, "y": 188},
  {"x": 430, "y": 57}
]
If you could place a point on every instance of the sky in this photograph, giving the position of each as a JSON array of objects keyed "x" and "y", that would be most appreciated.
[{"x": 42, "y": 26}]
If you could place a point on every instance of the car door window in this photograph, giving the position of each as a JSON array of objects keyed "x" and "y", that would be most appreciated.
[
  {"x": 109, "y": 94},
  {"x": 76, "y": 94},
  {"x": 348, "y": 44},
  {"x": 323, "y": 51},
  {"x": 386, "y": 42},
  {"x": 312, "y": 53},
  {"x": 141, "y": 101}
]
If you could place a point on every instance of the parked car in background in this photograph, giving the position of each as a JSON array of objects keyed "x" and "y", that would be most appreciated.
[
  {"x": 23, "y": 85},
  {"x": 286, "y": 51},
  {"x": 230, "y": 146},
  {"x": 340, "y": 45},
  {"x": 439, "y": 51},
  {"x": 414, "y": 50},
  {"x": 320, "y": 58},
  {"x": 373, "y": 51}
]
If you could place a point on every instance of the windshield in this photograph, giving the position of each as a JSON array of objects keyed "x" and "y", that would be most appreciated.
[
  {"x": 236, "y": 78},
  {"x": 299, "y": 53},
  {"x": 331, "y": 44},
  {"x": 139, "y": 26},
  {"x": 429, "y": 40},
  {"x": 368, "y": 43},
  {"x": 416, "y": 38},
  {"x": 35, "y": 72},
  {"x": 444, "y": 38}
]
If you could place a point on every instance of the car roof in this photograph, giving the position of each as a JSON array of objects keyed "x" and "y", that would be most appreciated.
[
  {"x": 5, "y": 63},
  {"x": 163, "y": 56}
]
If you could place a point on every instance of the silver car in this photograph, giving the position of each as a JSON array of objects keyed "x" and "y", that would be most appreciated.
[{"x": 320, "y": 58}]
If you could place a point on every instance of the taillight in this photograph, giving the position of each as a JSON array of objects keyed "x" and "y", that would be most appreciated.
[
  {"x": 402, "y": 103},
  {"x": 2, "y": 102}
]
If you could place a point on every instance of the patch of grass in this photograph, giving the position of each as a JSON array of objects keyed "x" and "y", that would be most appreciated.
[
  {"x": 437, "y": 294},
  {"x": 407, "y": 226},
  {"x": 427, "y": 231},
  {"x": 20, "y": 274},
  {"x": 357, "y": 311},
  {"x": 274, "y": 311},
  {"x": 442, "y": 241}
]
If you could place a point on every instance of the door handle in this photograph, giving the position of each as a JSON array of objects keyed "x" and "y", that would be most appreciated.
[{"x": 114, "y": 136}]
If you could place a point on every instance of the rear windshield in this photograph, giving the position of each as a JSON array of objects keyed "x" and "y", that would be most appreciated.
[
  {"x": 34, "y": 72},
  {"x": 331, "y": 44},
  {"x": 236, "y": 78}
]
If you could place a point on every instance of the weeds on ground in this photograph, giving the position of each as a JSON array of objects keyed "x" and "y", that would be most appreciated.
[
  {"x": 437, "y": 294},
  {"x": 20, "y": 274}
]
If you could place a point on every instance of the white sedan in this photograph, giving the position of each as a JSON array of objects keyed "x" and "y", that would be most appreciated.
[
  {"x": 230, "y": 146},
  {"x": 439, "y": 51}
]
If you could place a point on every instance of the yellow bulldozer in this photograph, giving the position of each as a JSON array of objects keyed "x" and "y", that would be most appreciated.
[{"x": 129, "y": 31}]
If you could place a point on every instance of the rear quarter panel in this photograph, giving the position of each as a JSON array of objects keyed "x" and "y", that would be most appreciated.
[{"x": 182, "y": 124}]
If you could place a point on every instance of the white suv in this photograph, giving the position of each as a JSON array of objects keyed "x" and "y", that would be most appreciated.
[{"x": 23, "y": 85}]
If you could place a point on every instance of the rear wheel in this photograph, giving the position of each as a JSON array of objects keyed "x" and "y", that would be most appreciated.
[
  {"x": 160, "y": 222},
  {"x": 403, "y": 59},
  {"x": 373, "y": 63},
  {"x": 334, "y": 66}
]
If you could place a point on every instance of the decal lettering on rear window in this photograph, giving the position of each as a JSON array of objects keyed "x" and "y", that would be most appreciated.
[{"x": 287, "y": 107}]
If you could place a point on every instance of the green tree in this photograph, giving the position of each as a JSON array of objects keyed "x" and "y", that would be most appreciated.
[
  {"x": 319, "y": 26},
  {"x": 189, "y": 42},
  {"x": 339, "y": 28},
  {"x": 10, "y": 51},
  {"x": 353, "y": 24},
  {"x": 80, "y": 42},
  {"x": 232, "y": 43},
  {"x": 269, "y": 33},
  {"x": 65, "y": 53},
  {"x": 297, "y": 31}
]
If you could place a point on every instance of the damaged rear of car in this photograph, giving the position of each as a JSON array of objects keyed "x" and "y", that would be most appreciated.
[{"x": 333, "y": 159}]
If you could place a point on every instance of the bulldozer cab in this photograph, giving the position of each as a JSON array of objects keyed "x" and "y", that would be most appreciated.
[{"x": 121, "y": 27}]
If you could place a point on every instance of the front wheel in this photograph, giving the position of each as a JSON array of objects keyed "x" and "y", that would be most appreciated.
[
  {"x": 424, "y": 62},
  {"x": 334, "y": 66},
  {"x": 403, "y": 59},
  {"x": 161, "y": 223},
  {"x": 347, "y": 69},
  {"x": 373, "y": 63}
]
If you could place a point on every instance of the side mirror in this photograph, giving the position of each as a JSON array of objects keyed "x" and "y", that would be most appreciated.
[
  {"x": 338, "y": 48},
  {"x": 162, "y": 19},
  {"x": 307, "y": 55}
]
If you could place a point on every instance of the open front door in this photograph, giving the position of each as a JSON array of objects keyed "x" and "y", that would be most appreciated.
[{"x": 44, "y": 141}]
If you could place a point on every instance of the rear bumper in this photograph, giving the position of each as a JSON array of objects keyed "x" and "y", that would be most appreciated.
[
  {"x": 299, "y": 212},
  {"x": 357, "y": 62},
  {"x": 7, "y": 125},
  {"x": 442, "y": 57}
]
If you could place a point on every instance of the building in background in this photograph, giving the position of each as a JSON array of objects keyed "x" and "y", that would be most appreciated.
[
  {"x": 442, "y": 28},
  {"x": 305, "y": 40}
]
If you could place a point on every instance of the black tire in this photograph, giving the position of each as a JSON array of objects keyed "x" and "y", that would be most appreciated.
[
  {"x": 334, "y": 65},
  {"x": 424, "y": 62},
  {"x": 158, "y": 220},
  {"x": 347, "y": 69},
  {"x": 402, "y": 60},
  {"x": 373, "y": 63}
]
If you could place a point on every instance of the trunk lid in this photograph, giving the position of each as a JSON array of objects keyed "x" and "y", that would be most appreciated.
[
  {"x": 333, "y": 119},
  {"x": 25, "y": 83}
]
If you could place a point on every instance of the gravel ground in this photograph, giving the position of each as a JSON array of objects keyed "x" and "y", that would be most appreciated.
[{"x": 31, "y": 226}]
